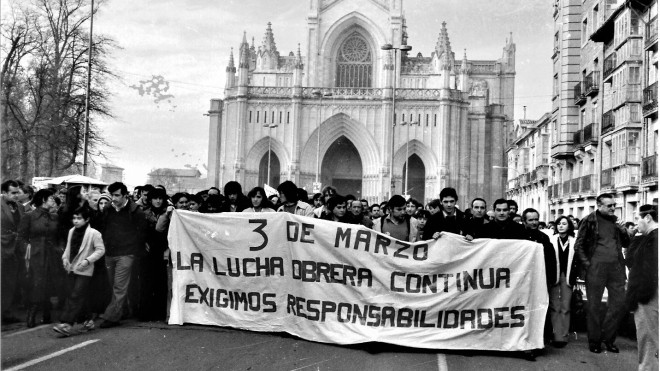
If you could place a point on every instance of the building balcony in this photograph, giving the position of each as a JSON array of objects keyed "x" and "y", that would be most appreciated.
[
  {"x": 566, "y": 188},
  {"x": 556, "y": 189},
  {"x": 579, "y": 97},
  {"x": 590, "y": 135},
  {"x": 587, "y": 183},
  {"x": 609, "y": 65},
  {"x": 592, "y": 83},
  {"x": 626, "y": 178},
  {"x": 631, "y": 93},
  {"x": 575, "y": 186},
  {"x": 650, "y": 100},
  {"x": 608, "y": 122},
  {"x": 542, "y": 172},
  {"x": 577, "y": 138},
  {"x": 650, "y": 169},
  {"x": 651, "y": 34}
]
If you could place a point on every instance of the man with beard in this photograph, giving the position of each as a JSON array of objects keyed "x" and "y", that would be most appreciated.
[{"x": 395, "y": 223}]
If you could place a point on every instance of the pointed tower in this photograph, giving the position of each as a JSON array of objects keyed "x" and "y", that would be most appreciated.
[
  {"x": 230, "y": 71},
  {"x": 243, "y": 62},
  {"x": 464, "y": 72},
  {"x": 267, "y": 54},
  {"x": 298, "y": 69},
  {"x": 444, "y": 55},
  {"x": 509, "y": 55}
]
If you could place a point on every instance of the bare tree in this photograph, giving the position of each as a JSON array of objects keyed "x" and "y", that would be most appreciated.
[{"x": 43, "y": 87}]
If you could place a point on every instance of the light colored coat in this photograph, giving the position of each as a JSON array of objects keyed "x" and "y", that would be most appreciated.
[
  {"x": 571, "y": 254},
  {"x": 92, "y": 249}
]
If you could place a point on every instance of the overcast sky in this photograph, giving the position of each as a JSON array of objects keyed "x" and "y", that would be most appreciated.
[{"x": 187, "y": 42}]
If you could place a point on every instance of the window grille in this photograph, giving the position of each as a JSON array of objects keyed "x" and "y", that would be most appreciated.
[{"x": 354, "y": 63}]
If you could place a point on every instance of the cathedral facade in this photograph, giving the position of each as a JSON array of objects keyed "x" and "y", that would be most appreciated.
[{"x": 372, "y": 122}]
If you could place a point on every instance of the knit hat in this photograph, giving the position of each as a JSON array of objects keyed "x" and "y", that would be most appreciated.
[{"x": 104, "y": 196}]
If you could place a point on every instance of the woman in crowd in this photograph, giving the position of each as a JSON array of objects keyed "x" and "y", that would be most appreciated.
[
  {"x": 153, "y": 268},
  {"x": 180, "y": 201},
  {"x": 260, "y": 203},
  {"x": 567, "y": 269},
  {"x": 213, "y": 204},
  {"x": 337, "y": 207},
  {"x": 194, "y": 202},
  {"x": 38, "y": 239}
]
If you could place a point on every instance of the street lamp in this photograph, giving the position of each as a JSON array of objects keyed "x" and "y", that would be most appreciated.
[
  {"x": 269, "y": 126},
  {"x": 408, "y": 124},
  {"x": 403, "y": 48},
  {"x": 320, "y": 94}
]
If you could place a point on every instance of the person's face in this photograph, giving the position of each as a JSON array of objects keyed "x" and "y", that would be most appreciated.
[
  {"x": 213, "y": 191},
  {"x": 144, "y": 196},
  {"x": 607, "y": 206},
  {"x": 356, "y": 207},
  {"x": 631, "y": 229},
  {"x": 513, "y": 209},
  {"x": 434, "y": 210},
  {"x": 501, "y": 212},
  {"x": 448, "y": 204},
  {"x": 531, "y": 221},
  {"x": 193, "y": 205},
  {"x": 282, "y": 197},
  {"x": 317, "y": 202},
  {"x": 339, "y": 210},
  {"x": 62, "y": 196},
  {"x": 478, "y": 209},
  {"x": 13, "y": 193},
  {"x": 398, "y": 212},
  {"x": 103, "y": 203},
  {"x": 421, "y": 222},
  {"x": 375, "y": 212},
  {"x": 365, "y": 205},
  {"x": 22, "y": 196},
  {"x": 78, "y": 221},
  {"x": 411, "y": 208},
  {"x": 233, "y": 197},
  {"x": 157, "y": 202},
  {"x": 118, "y": 199},
  {"x": 328, "y": 194},
  {"x": 257, "y": 199},
  {"x": 562, "y": 227},
  {"x": 94, "y": 199},
  {"x": 49, "y": 203},
  {"x": 182, "y": 204}
]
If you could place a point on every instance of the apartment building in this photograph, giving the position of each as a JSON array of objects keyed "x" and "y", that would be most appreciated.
[{"x": 603, "y": 125}]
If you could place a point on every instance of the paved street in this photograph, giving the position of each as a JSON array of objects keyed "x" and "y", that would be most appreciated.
[{"x": 157, "y": 346}]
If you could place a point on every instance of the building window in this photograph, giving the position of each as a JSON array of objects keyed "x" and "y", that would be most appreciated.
[
  {"x": 585, "y": 30},
  {"x": 354, "y": 63}
]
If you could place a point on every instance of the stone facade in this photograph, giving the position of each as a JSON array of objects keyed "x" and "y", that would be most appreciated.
[
  {"x": 328, "y": 114},
  {"x": 604, "y": 128}
]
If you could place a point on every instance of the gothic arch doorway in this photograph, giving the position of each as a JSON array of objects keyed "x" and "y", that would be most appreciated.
[
  {"x": 342, "y": 168},
  {"x": 416, "y": 179},
  {"x": 274, "y": 170}
]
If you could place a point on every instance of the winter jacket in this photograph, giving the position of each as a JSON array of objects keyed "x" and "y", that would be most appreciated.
[
  {"x": 585, "y": 244},
  {"x": 642, "y": 259},
  {"x": 92, "y": 249}
]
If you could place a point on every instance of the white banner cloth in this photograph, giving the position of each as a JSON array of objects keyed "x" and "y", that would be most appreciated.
[{"x": 340, "y": 283}]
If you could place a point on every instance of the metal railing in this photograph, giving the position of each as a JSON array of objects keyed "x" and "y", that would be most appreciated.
[
  {"x": 590, "y": 133},
  {"x": 608, "y": 122},
  {"x": 592, "y": 83},
  {"x": 649, "y": 168},
  {"x": 577, "y": 94},
  {"x": 586, "y": 183},
  {"x": 650, "y": 98},
  {"x": 575, "y": 185},
  {"x": 606, "y": 178},
  {"x": 609, "y": 64},
  {"x": 651, "y": 32}
]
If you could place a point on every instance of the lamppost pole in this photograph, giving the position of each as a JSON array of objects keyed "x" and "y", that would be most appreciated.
[
  {"x": 320, "y": 94},
  {"x": 269, "y": 151},
  {"x": 394, "y": 50}
]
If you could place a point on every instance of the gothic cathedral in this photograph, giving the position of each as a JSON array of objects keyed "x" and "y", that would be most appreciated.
[{"x": 369, "y": 118}]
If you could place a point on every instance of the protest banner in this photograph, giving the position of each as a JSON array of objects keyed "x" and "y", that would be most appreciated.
[{"x": 341, "y": 283}]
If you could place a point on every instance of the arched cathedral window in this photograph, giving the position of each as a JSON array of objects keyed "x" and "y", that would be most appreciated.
[{"x": 354, "y": 63}]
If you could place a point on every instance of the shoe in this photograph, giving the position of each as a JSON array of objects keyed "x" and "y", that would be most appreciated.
[
  {"x": 595, "y": 348},
  {"x": 63, "y": 329},
  {"x": 530, "y": 355},
  {"x": 88, "y": 325},
  {"x": 611, "y": 347},
  {"x": 108, "y": 324}
]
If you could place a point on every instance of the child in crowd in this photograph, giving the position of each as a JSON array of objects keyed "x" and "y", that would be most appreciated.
[
  {"x": 84, "y": 246},
  {"x": 422, "y": 217}
]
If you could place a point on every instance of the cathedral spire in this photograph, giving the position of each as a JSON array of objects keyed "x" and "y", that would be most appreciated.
[
  {"x": 231, "y": 67},
  {"x": 443, "y": 44},
  {"x": 244, "y": 53},
  {"x": 269, "y": 40},
  {"x": 299, "y": 62},
  {"x": 464, "y": 64}
]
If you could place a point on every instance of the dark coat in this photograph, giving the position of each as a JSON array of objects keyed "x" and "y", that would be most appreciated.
[
  {"x": 439, "y": 223},
  {"x": 9, "y": 230},
  {"x": 503, "y": 230},
  {"x": 642, "y": 259},
  {"x": 548, "y": 254},
  {"x": 137, "y": 235},
  {"x": 585, "y": 244}
]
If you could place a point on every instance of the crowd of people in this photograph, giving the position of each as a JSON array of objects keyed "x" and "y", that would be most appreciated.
[{"x": 105, "y": 256}]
